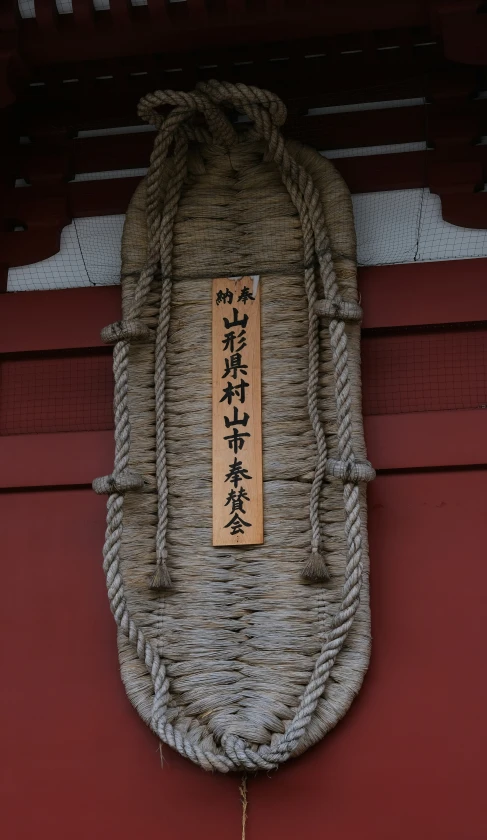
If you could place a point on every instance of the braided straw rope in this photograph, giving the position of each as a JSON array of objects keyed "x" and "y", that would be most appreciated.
[{"x": 230, "y": 662}]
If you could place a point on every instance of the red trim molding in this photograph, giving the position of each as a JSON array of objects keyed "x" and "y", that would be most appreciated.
[
  {"x": 394, "y": 442},
  {"x": 54, "y": 460},
  {"x": 424, "y": 293},
  {"x": 392, "y": 296},
  {"x": 432, "y": 439},
  {"x": 64, "y": 319}
]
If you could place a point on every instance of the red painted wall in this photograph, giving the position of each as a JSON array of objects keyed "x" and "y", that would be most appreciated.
[{"x": 407, "y": 761}]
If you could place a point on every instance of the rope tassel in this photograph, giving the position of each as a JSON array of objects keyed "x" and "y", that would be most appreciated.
[
  {"x": 315, "y": 569},
  {"x": 161, "y": 578}
]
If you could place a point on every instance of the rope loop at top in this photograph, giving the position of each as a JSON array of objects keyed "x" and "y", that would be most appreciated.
[
  {"x": 245, "y": 98},
  {"x": 186, "y": 105},
  {"x": 209, "y": 99}
]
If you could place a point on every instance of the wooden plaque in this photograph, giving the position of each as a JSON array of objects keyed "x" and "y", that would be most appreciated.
[{"x": 238, "y": 510}]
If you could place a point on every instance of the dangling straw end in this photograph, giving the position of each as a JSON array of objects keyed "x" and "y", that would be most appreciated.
[
  {"x": 161, "y": 578},
  {"x": 315, "y": 569}
]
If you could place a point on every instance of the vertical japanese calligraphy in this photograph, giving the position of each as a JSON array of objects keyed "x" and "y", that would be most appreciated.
[{"x": 238, "y": 517}]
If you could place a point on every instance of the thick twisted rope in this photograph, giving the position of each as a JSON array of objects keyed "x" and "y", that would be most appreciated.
[{"x": 267, "y": 113}]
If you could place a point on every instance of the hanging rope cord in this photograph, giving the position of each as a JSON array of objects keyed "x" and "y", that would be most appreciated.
[{"x": 268, "y": 113}]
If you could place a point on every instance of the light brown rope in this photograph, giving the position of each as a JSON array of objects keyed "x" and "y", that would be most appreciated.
[
  {"x": 267, "y": 113},
  {"x": 244, "y": 800}
]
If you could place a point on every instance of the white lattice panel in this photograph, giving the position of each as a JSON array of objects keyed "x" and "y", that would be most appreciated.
[{"x": 400, "y": 226}]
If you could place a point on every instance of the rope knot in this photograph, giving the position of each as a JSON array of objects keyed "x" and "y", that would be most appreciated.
[
  {"x": 350, "y": 471},
  {"x": 245, "y": 98},
  {"x": 185, "y": 107},
  {"x": 120, "y": 482},
  {"x": 338, "y": 309},
  {"x": 127, "y": 330}
]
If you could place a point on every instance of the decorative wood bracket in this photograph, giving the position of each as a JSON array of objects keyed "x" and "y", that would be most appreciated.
[{"x": 464, "y": 31}]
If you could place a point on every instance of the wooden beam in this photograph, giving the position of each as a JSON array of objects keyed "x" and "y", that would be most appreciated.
[
  {"x": 61, "y": 319},
  {"x": 394, "y": 442},
  {"x": 393, "y": 296},
  {"x": 422, "y": 440},
  {"x": 450, "y": 291}
]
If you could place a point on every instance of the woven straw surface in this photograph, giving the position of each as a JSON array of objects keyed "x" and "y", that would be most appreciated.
[{"x": 240, "y": 630}]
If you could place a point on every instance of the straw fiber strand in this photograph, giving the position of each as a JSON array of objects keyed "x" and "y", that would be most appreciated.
[{"x": 242, "y": 662}]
